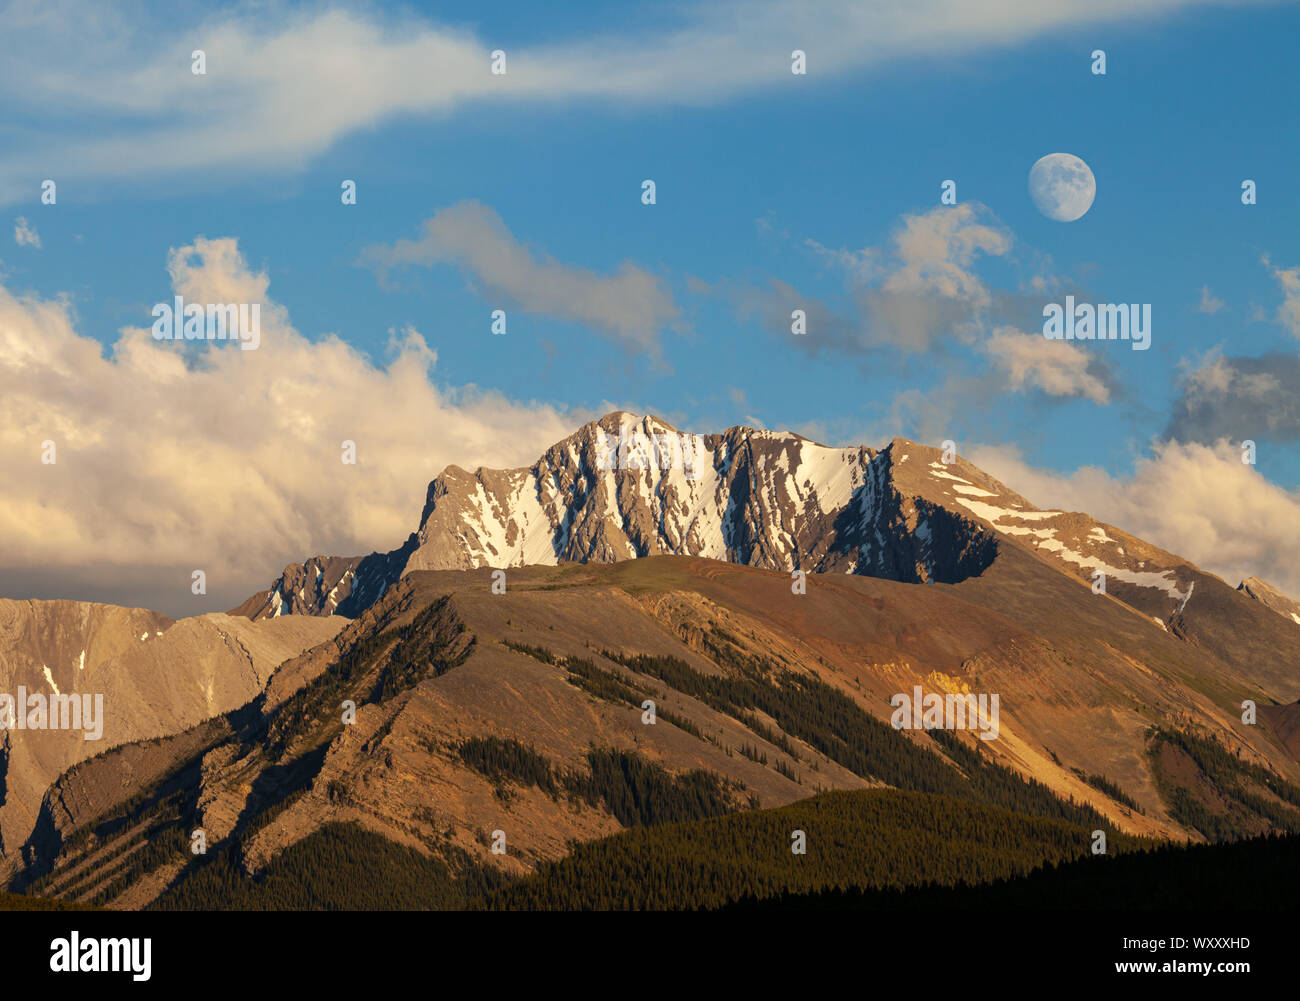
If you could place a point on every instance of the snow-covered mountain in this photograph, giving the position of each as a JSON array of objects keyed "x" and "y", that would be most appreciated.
[{"x": 628, "y": 486}]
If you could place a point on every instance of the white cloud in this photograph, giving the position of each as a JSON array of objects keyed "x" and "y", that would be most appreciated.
[
  {"x": 1219, "y": 375},
  {"x": 910, "y": 294},
  {"x": 930, "y": 291},
  {"x": 117, "y": 100},
  {"x": 1056, "y": 367},
  {"x": 631, "y": 306},
  {"x": 861, "y": 266},
  {"x": 25, "y": 235},
  {"x": 1209, "y": 303},
  {"x": 935, "y": 252},
  {"x": 1199, "y": 501},
  {"x": 223, "y": 460},
  {"x": 1288, "y": 279}
]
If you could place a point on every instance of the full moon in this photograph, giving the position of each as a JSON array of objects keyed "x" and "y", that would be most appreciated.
[{"x": 1062, "y": 186}]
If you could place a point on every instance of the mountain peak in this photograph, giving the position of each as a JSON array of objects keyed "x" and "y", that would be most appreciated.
[
  {"x": 627, "y": 486},
  {"x": 617, "y": 419},
  {"x": 1270, "y": 597}
]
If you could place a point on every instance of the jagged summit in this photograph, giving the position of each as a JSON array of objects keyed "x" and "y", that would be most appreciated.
[
  {"x": 1270, "y": 597},
  {"x": 628, "y": 485}
]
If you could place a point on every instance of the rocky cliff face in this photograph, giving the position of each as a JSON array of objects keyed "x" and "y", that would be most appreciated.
[
  {"x": 626, "y": 487},
  {"x": 316, "y": 587},
  {"x": 150, "y": 675},
  {"x": 1271, "y": 597}
]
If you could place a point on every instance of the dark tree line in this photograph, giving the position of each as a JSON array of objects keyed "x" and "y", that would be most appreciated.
[{"x": 870, "y": 839}]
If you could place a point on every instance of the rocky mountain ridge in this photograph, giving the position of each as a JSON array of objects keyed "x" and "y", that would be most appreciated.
[{"x": 626, "y": 487}]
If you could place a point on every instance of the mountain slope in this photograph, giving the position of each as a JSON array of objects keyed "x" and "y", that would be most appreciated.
[
  {"x": 645, "y": 565},
  {"x": 155, "y": 677},
  {"x": 522, "y": 712},
  {"x": 627, "y": 487},
  {"x": 1271, "y": 597}
]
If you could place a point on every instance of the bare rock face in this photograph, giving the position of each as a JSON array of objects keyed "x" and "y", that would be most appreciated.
[
  {"x": 1270, "y": 597},
  {"x": 315, "y": 587},
  {"x": 217, "y": 808},
  {"x": 1154, "y": 582},
  {"x": 328, "y": 585},
  {"x": 120, "y": 675},
  {"x": 625, "y": 487}
]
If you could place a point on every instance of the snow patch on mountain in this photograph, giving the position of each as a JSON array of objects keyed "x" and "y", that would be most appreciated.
[{"x": 629, "y": 486}]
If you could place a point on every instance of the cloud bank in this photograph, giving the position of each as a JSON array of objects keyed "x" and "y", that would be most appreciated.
[{"x": 170, "y": 459}]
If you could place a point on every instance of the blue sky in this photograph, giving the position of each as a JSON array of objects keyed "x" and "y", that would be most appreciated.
[{"x": 762, "y": 177}]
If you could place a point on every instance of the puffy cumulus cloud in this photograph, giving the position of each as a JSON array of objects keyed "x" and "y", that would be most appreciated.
[
  {"x": 170, "y": 459},
  {"x": 25, "y": 234},
  {"x": 285, "y": 82},
  {"x": 1288, "y": 280},
  {"x": 935, "y": 251},
  {"x": 921, "y": 294},
  {"x": 1058, "y": 368},
  {"x": 927, "y": 289},
  {"x": 931, "y": 292},
  {"x": 911, "y": 295},
  {"x": 1239, "y": 398},
  {"x": 215, "y": 271},
  {"x": 1197, "y": 500},
  {"x": 631, "y": 306}
]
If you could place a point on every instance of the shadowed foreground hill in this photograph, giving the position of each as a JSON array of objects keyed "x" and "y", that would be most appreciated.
[
  {"x": 22, "y": 902},
  {"x": 1257, "y": 874},
  {"x": 868, "y": 839},
  {"x": 448, "y": 712}
]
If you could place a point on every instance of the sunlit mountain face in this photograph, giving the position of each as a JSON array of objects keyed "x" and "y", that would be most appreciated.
[{"x": 764, "y": 458}]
